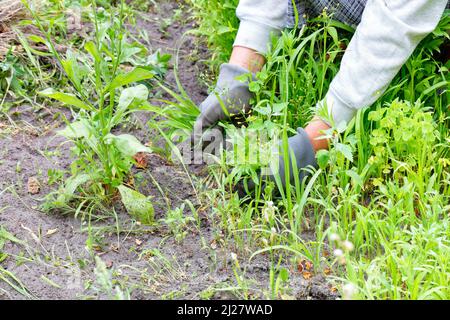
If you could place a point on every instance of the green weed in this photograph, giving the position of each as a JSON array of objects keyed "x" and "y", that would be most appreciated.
[{"x": 109, "y": 64}]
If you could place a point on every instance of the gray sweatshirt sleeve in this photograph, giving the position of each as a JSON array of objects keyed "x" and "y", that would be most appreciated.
[
  {"x": 388, "y": 33},
  {"x": 259, "y": 19}
]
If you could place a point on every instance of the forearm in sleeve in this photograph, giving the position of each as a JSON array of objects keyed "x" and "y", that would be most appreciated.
[
  {"x": 388, "y": 33},
  {"x": 259, "y": 20}
]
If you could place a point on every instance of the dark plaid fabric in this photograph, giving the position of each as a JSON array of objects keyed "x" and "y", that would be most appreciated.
[{"x": 345, "y": 11}]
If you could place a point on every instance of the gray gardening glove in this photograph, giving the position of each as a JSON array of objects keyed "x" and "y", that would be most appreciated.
[
  {"x": 233, "y": 94},
  {"x": 301, "y": 149}
]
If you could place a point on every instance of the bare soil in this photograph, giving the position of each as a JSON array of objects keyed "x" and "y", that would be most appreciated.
[{"x": 53, "y": 261}]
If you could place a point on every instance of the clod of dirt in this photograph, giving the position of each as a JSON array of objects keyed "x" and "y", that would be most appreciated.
[{"x": 33, "y": 185}]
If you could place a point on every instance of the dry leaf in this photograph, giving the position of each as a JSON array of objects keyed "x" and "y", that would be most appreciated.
[
  {"x": 34, "y": 187},
  {"x": 308, "y": 265},
  {"x": 307, "y": 275},
  {"x": 138, "y": 242},
  {"x": 51, "y": 231},
  {"x": 304, "y": 265},
  {"x": 342, "y": 46},
  {"x": 141, "y": 159},
  {"x": 98, "y": 249},
  {"x": 327, "y": 271}
]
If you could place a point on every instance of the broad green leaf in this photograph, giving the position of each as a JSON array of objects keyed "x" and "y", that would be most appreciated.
[
  {"x": 137, "y": 74},
  {"x": 334, "y": 34},
  {"x": 138, "y": 206},
  {"x": 65, "y": 98},
  {"x": 279, "y": 107},
  {"x": 127, "y": 144},
  {"x": 7, "y": 236},
  {"x": 81, "y": 129},
  {"x": 74, "y": 182},
  {"x": 346, "y": 150},
  {"x": 254, "y": 86},
  {"x": 323, "y": 156},
  {"x": 92, "y": 49},
  {"x": 70, "y": 186},
  {"x": 284, "y": 274},
  {"x": 72, "y": 69},
  {"x": 224, "y": 29},
  {"x": 129, "y": 50},
  {"x": 355, "y": 177},
  {"x": 138, "y": 93},
  {"x": 264, "y": 110},
  {"x": 77, "y": 129},
  {"x": 37, "y": 39}
]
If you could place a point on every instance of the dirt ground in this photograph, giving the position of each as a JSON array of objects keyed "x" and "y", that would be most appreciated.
[{"x": 53, "y": 261}]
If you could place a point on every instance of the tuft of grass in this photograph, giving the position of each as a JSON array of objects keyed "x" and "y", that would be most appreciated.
[{"x": 5, "y": 275}]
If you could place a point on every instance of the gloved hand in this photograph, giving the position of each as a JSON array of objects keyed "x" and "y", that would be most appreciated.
[
  {"x": 230, "y": 97},
  {"x": 300, "y": 150}
]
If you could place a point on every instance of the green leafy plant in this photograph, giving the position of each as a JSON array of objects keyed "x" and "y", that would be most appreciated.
[
  {"x": 105, "y": 283},
  {"x": 405, "y": 140},
  {"x": 104, "y": 159},
  {"x": 218, "y": 24},
  {"x": 178, "y": 223}
]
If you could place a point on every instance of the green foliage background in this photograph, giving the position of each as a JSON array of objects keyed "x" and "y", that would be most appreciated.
[{"x": 384, "y": 184}]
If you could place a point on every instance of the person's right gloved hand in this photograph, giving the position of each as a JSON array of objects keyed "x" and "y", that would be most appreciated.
[
  {"x": 230, "y": 97},
  {"x": 300, "y": 151}
]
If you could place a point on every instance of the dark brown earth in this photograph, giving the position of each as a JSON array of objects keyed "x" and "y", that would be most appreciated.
[{"x": 53, "y": 262}]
